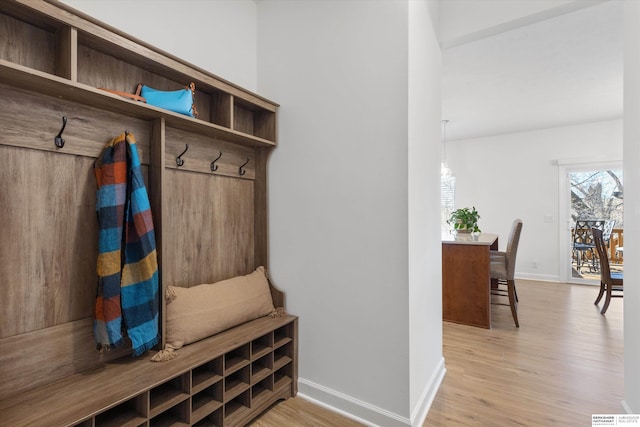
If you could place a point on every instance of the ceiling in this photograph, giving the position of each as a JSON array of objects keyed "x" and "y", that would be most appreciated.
[{"x": 559, "y": 71}]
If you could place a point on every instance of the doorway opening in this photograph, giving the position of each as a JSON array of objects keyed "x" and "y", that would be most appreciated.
[{"x": 594, "y": 196}]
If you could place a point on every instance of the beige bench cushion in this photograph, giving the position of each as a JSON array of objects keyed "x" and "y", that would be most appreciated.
[{"x": 200, "y": 311}]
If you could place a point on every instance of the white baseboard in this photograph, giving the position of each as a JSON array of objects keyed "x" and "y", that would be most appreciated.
[
  {"x": 366, "y": 413},
  {"x": 421, "y": 409},
  {"x": 358, "y": 410},
  {"x": 538, "y": 277}
]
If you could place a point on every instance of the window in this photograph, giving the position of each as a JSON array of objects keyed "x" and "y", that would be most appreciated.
[{"x": 447, "y": 197}]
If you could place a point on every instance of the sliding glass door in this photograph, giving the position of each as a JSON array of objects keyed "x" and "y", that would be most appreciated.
[{"x": 594, "y": 197}]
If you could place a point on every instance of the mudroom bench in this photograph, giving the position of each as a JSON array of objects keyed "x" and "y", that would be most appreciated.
[{"x": 224, "y": 380}]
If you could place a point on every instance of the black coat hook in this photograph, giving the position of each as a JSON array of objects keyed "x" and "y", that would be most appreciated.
[
  {"x": 179, "y": 161},
  {"x": 241, "y": 171},
  {"x": 59, "y": 141},
  {"x": 214, "y": 167}
]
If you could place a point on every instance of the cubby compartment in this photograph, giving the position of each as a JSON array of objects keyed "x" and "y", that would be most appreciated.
[
  {"x": 282, "y": 355},
  {"x": 236, "y": 359},
  {"x": 254, "y": 120},
  {"x": 130, "y": 413},
  {"x": 282, "y": 378},
  {"x": 205, "y": 375},
  {"x": 168, "y": 394},
  {"x": 236, "y": 383},
  {"x": 237, "y": 408},
  {"x": 35, "y": 43},
  {"x": 177, "y": 415},
  {"x": 206, "y": 402},
  {"x": 282, "y": 336},
  {"x": 261, "y": 346},
  {"x": 211, "y": 420},
  {"x": 103, "y": 67},
  {"x": 103, "y": 63},
  {"x": 261, "y": 368},
  {"x": 262, "y": 391}
]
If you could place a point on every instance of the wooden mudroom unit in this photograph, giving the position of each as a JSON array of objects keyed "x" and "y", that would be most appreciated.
[{"x": 207, "y": 183}]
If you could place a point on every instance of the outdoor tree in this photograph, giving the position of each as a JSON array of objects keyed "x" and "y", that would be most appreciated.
[{"x": 597, "y": 195}]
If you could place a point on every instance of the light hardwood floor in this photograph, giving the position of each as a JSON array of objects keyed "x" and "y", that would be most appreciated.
[{"x": 563, "y": 364}]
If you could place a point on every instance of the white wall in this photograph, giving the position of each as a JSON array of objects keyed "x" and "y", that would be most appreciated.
[
  {"x": 516, "y": 175},
  {"x": 219, "y": 36},
  {"x": 632, "y": 207},
  {"x": 341, "y": 189},
  {"x": 338, "y": 204},
  {"x": 425, "y": 276}
]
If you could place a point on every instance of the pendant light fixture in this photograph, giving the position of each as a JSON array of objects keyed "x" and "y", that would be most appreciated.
[{"x": 445, "y": 171}]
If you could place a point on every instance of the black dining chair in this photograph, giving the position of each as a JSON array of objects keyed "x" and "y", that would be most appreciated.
[
  {"x": 583, "y": 247},
  {"x": 610, "y": 281}
]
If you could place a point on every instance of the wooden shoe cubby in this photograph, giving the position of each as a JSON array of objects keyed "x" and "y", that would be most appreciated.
[{"x": 214, "y": 382}]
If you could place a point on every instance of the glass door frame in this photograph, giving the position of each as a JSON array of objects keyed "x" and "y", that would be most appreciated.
[{"x": 565, "y": 168}]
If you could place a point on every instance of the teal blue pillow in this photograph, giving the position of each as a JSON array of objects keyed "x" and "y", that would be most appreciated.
[{"x": 179, "y": 101}]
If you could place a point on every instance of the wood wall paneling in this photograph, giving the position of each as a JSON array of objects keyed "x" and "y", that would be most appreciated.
[
  {"x": 219, "y": 203},
  {"x": 208, "y": 233},
  {"x": 49, "y": 228},
  {"x": 30, "y": 120},
  {"x": 43, "y": 356},
  {"x": 203, "y": 150},
  {"x": 49, "y": 239}
]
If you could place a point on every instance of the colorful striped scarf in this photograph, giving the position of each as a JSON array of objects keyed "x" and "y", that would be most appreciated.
[{"x": 127, "y": 264}]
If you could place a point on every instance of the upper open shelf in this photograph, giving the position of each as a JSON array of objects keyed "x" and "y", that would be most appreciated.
[{"x": 70, "y": 55}]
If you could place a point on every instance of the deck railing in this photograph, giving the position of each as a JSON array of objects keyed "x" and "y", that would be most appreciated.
[
  {"x": 614, "y": 247},
  {"x": 615, "y": 243}
]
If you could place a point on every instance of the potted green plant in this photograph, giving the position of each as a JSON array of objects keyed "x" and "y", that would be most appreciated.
[{"x": 464, "y": 220}]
